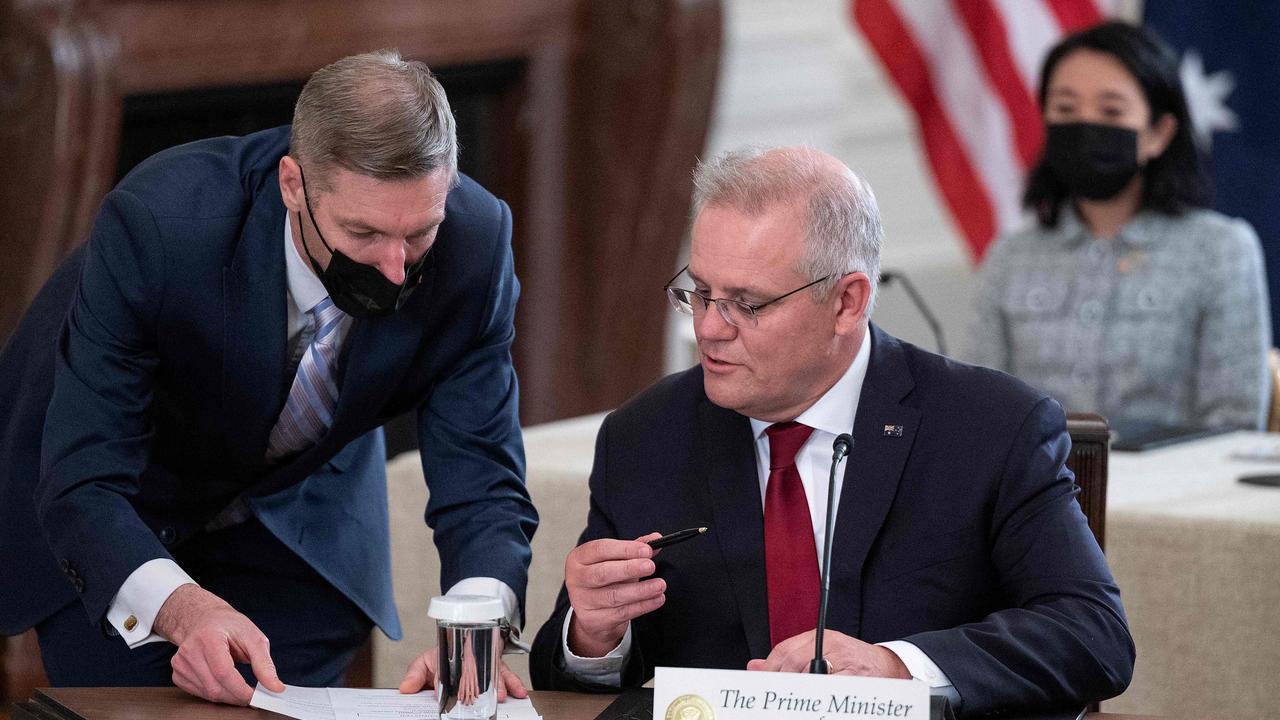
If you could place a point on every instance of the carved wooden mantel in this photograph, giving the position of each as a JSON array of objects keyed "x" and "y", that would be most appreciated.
[{"x": 602, "y": 132}]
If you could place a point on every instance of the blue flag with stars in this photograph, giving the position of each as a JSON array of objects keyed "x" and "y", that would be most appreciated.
[{"x": 1230, "y": 51}]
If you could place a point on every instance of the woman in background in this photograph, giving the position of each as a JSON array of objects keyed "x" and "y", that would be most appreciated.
[{"x": 1127, "y": 297}]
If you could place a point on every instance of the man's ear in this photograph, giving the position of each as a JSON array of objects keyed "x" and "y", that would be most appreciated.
[
  {"x": 853, "y": 292},
  {"x": 291, "y": 184}
]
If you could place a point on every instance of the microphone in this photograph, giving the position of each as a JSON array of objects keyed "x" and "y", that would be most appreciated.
[
  {"x": 889, "y": 277},
  {"x": 841, "y": 448}
]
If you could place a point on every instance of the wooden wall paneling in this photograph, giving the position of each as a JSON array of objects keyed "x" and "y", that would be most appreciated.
[
  {"x": 543, "y": 212},
  {"x": 59, "y": 123},
  {"x": 641, "y": 115}
]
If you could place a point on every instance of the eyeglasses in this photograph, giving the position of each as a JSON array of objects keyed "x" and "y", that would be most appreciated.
[{"x": 735, "y": 312}]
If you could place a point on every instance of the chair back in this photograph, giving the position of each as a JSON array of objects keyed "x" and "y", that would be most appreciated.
[
  {"x": 1090, "y": 444},
  {"x": 1273, "y": 408}
]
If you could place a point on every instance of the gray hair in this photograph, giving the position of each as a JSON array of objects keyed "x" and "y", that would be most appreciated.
[
  {"x": 842, "y": 230},
  {"x": 375, "y": 114}
]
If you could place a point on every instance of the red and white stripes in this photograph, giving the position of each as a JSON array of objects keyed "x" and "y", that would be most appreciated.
[{"x": 968, "y": 69}]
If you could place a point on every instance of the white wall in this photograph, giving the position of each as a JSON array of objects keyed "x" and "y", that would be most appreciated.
[{"x": 800, "y": 73}]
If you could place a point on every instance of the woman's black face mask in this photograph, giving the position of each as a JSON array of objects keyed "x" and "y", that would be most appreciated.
[
  {"x": 357, "y": 289},
  {"x": 1093, "y": 161}
]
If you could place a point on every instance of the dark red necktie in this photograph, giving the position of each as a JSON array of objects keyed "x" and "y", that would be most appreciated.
[{"x": 790, "y": 555}]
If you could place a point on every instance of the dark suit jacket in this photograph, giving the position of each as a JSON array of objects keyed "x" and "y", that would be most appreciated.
[
  {"x": 961, "y": 535},
  {"x": 139, "y": 413}
]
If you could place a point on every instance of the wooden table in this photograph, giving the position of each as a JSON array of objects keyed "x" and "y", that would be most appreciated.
[{"x": 173, "y": 704}]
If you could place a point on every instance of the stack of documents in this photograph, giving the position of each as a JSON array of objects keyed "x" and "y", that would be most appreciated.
[{"x": 307, "y": 703}]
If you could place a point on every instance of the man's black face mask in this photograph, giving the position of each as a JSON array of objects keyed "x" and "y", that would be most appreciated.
[
  {"x": 1093, "y": 161},
  {"x": 357, "y": 289}
]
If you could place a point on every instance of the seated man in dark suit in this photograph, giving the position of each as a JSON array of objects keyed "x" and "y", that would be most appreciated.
[
  {"x": 961, "y": 557},
  {"x": 191, "y": 449}
]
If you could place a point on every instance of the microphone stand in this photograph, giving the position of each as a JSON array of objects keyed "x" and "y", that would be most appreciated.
[
  {"x": 841, "y": 447},
  {"x": 889, "y": 277}
]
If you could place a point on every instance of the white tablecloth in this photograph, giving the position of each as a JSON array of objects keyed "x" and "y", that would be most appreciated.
[{"x": 1197, "y": 557}]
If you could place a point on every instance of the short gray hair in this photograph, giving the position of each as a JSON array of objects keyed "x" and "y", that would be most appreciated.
[
  {"x": 375, "y": 114},
  {"x": 842, "y": 230}
]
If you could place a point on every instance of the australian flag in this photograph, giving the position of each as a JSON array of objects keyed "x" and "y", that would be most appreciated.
[{"x": 1230, "y": 52}]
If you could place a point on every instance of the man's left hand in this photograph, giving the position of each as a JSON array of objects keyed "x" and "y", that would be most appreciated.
[
  {"x": 422, "y": 675},
  {"x": 844, "y": 654}
]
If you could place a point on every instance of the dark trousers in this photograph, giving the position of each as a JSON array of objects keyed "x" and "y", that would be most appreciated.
[{"x": 314, "y": 630}]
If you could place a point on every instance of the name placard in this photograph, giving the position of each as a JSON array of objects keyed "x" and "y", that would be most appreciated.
[{"x": 689, "y": 694}]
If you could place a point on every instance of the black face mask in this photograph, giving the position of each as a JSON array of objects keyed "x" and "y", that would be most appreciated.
[
  {"x": 359, "y": 290},
  {"x": 1093, "y": 161}
]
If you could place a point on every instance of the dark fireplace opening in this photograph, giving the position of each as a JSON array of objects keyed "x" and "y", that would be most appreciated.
[
  {"x": 152, "y": 122},
  {"x": 484, "y": 98}
]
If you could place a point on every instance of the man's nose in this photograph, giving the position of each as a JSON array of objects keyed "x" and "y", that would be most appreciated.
[
  {"x": 390, "y": 262},
  {"x": 712, "y": 325}
]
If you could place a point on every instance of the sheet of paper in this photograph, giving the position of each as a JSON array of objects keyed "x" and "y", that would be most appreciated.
[
  {"x": 352, "y": 704},
  {"x": 517, "y": 709},
  {"x": 306, "y": 703},
  {"x": 303, "y": 703}
]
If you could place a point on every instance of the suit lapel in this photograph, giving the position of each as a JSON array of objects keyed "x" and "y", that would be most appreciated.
[
  {"x": 254, "y": 333},
  {"x": 726, "y": 458},
  {"x": 872, "y": 475}
]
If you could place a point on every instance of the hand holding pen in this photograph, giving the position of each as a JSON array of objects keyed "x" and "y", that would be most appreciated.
[{"x": 609, "y": 585}]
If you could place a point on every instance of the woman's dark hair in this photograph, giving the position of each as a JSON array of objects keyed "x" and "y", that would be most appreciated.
[{"x": 1173, "y": 181}]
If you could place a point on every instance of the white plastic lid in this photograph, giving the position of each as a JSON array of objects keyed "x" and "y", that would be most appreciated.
[{"x": 465, "y": 608}]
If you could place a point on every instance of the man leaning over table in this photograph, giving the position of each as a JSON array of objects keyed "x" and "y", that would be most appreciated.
[
  {"x": 961, "y": 557},
  {"x": 193, "y": 465}
]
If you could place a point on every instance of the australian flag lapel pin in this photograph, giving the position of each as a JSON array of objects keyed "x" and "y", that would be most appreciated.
[{"x": 893, "y": 431}]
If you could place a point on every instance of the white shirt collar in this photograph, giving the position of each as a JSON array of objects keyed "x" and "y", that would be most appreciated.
[
  {"x": 834, "y": 412},
  {"x": 304, "y": 285}
]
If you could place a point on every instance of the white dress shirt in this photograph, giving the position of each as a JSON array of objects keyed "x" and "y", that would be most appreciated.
[
  {"x": 831, "y": 415},
  {"x": 133, "y": 610}
]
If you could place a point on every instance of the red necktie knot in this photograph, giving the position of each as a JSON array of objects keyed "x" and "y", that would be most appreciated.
[{"x": 785, "y": 440}]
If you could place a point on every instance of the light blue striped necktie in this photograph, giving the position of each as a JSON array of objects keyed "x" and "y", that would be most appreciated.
[{"x": 308, "y": 413}]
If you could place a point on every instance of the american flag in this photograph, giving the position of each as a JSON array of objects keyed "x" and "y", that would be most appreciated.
[{"x": 969, "y": 69}]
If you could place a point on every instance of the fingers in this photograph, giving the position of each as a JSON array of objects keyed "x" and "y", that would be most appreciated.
[
  {"x": 792, "y": 654},
  {"x": 421, "y": 673},
  {"x": 602, "y": 614},
  {"x": 618, "y": 595},
  {"x": 211, "y": 637},
  {"x": 228, "y": 678},
  {"x": 511, "y": 683},
  {"x": 846, "y": 655},
  {"x": 792, "y": 659},
  {"x": 257, "y": 650},
  {"x": 598, "y": 551},
  {"x": 204, "y": 667}
]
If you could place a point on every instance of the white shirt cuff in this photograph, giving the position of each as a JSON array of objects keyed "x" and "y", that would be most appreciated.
[
  {"x": 605, "y": 670},
  {"x": 133, "y": 610},
  {"x": 491, "y": 587},
  {"x": 918, "y": 664}
]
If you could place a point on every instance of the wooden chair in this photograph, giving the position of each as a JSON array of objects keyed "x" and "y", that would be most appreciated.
[
  {"x": 1090, "y": 443},
  {"x": 1273, "y": 407}
]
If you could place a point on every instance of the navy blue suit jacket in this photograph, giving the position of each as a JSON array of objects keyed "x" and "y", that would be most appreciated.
[
  {"x": 961, "y": 535},
  {"x": 143, "y": 383}
]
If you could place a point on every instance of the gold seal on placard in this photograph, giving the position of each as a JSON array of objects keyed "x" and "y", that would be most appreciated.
[{"x": 690, "y": 707}]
